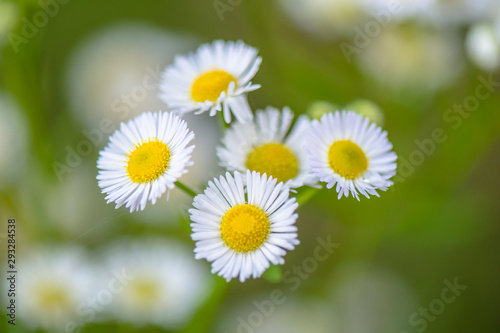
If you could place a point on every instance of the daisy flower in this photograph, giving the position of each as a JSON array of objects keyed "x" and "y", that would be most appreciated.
[
  {"x": 406, "y": 9},
  {"x": 242, "y": 229},
  {"x": 347, "y": 150},
  {"x": 298, "y": 314},
  {"x": 326, "y": 19},
  {"x": 167, "y": 285},
  {"x": 214, "y": 78},
  {"x": 439, "y": 51},
  {"x": 266, "y": 146},
  {"x": 143, "y": 158},
  {"x": 55, "y": 282}
]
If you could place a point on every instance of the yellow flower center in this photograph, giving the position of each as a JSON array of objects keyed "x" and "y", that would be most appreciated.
[
  {"x": 51, "y": 296},
  {"x": 209, "y": 86},
  {"x": 347, "y": 159},
  {"x": 144, "y": 291},
  {"x": 244, "y": 227},
  {"x": 147, "y": 161},
  {"x": 275, "y": 160}
]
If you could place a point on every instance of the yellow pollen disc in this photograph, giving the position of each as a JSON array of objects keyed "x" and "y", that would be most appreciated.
[
  {"x": 209, "y": 86},
  {"x": 244, "y": 227},
  {"x": 51, "y": 296},
  {"x": 347, "y": 159},
  {"x": 275, "y": 160},
  {"x": 147, "y": 161},
  {"x": 144, "y": 290}
]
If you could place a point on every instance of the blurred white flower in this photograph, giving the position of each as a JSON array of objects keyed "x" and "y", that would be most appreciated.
[
  {"x": 302, "y": 315},
  {"x": 115, "y": 72},
  {"x": 412, "y": 58},
  {"x": 460, "y": 12},
  {"x": 13, "y": 141},
  {"x": 482, "y": 44},
  {"x": 439, "y": 13},
  {"x": 166, "y": 286},
  {"x": 74, "y": 206},
  {"x": 283, "y": 314},
  {"x": 400, "y": 9},
  {"x": 54, "y": 282},
  {"x": 326, "y": 18}
]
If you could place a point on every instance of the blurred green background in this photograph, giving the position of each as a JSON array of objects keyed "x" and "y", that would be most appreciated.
[{"x": 440, "y": 221}]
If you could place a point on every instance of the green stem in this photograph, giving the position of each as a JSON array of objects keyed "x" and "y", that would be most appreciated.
[
  {"x": 204, "y": 316},
  {"x": 185, "y": 189},
  {"x": 224, "y": 125},
  {"x": 306, "y": 194}
]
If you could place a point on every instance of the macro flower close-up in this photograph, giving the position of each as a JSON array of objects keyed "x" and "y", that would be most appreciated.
[
  {"x": 215, "y": 78},
  {"x": 269, "y": 145},
  {"x": 348, "y": 151},
  {"x": 242, "y": 229},
  {"x": 144, "y": 158}
]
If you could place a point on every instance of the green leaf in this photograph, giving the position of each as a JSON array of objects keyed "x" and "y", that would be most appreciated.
[{"x": 274, "y": 274}]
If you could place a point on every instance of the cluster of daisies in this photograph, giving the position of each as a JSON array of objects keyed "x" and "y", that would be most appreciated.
[{"x": 245, "y": 220}]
